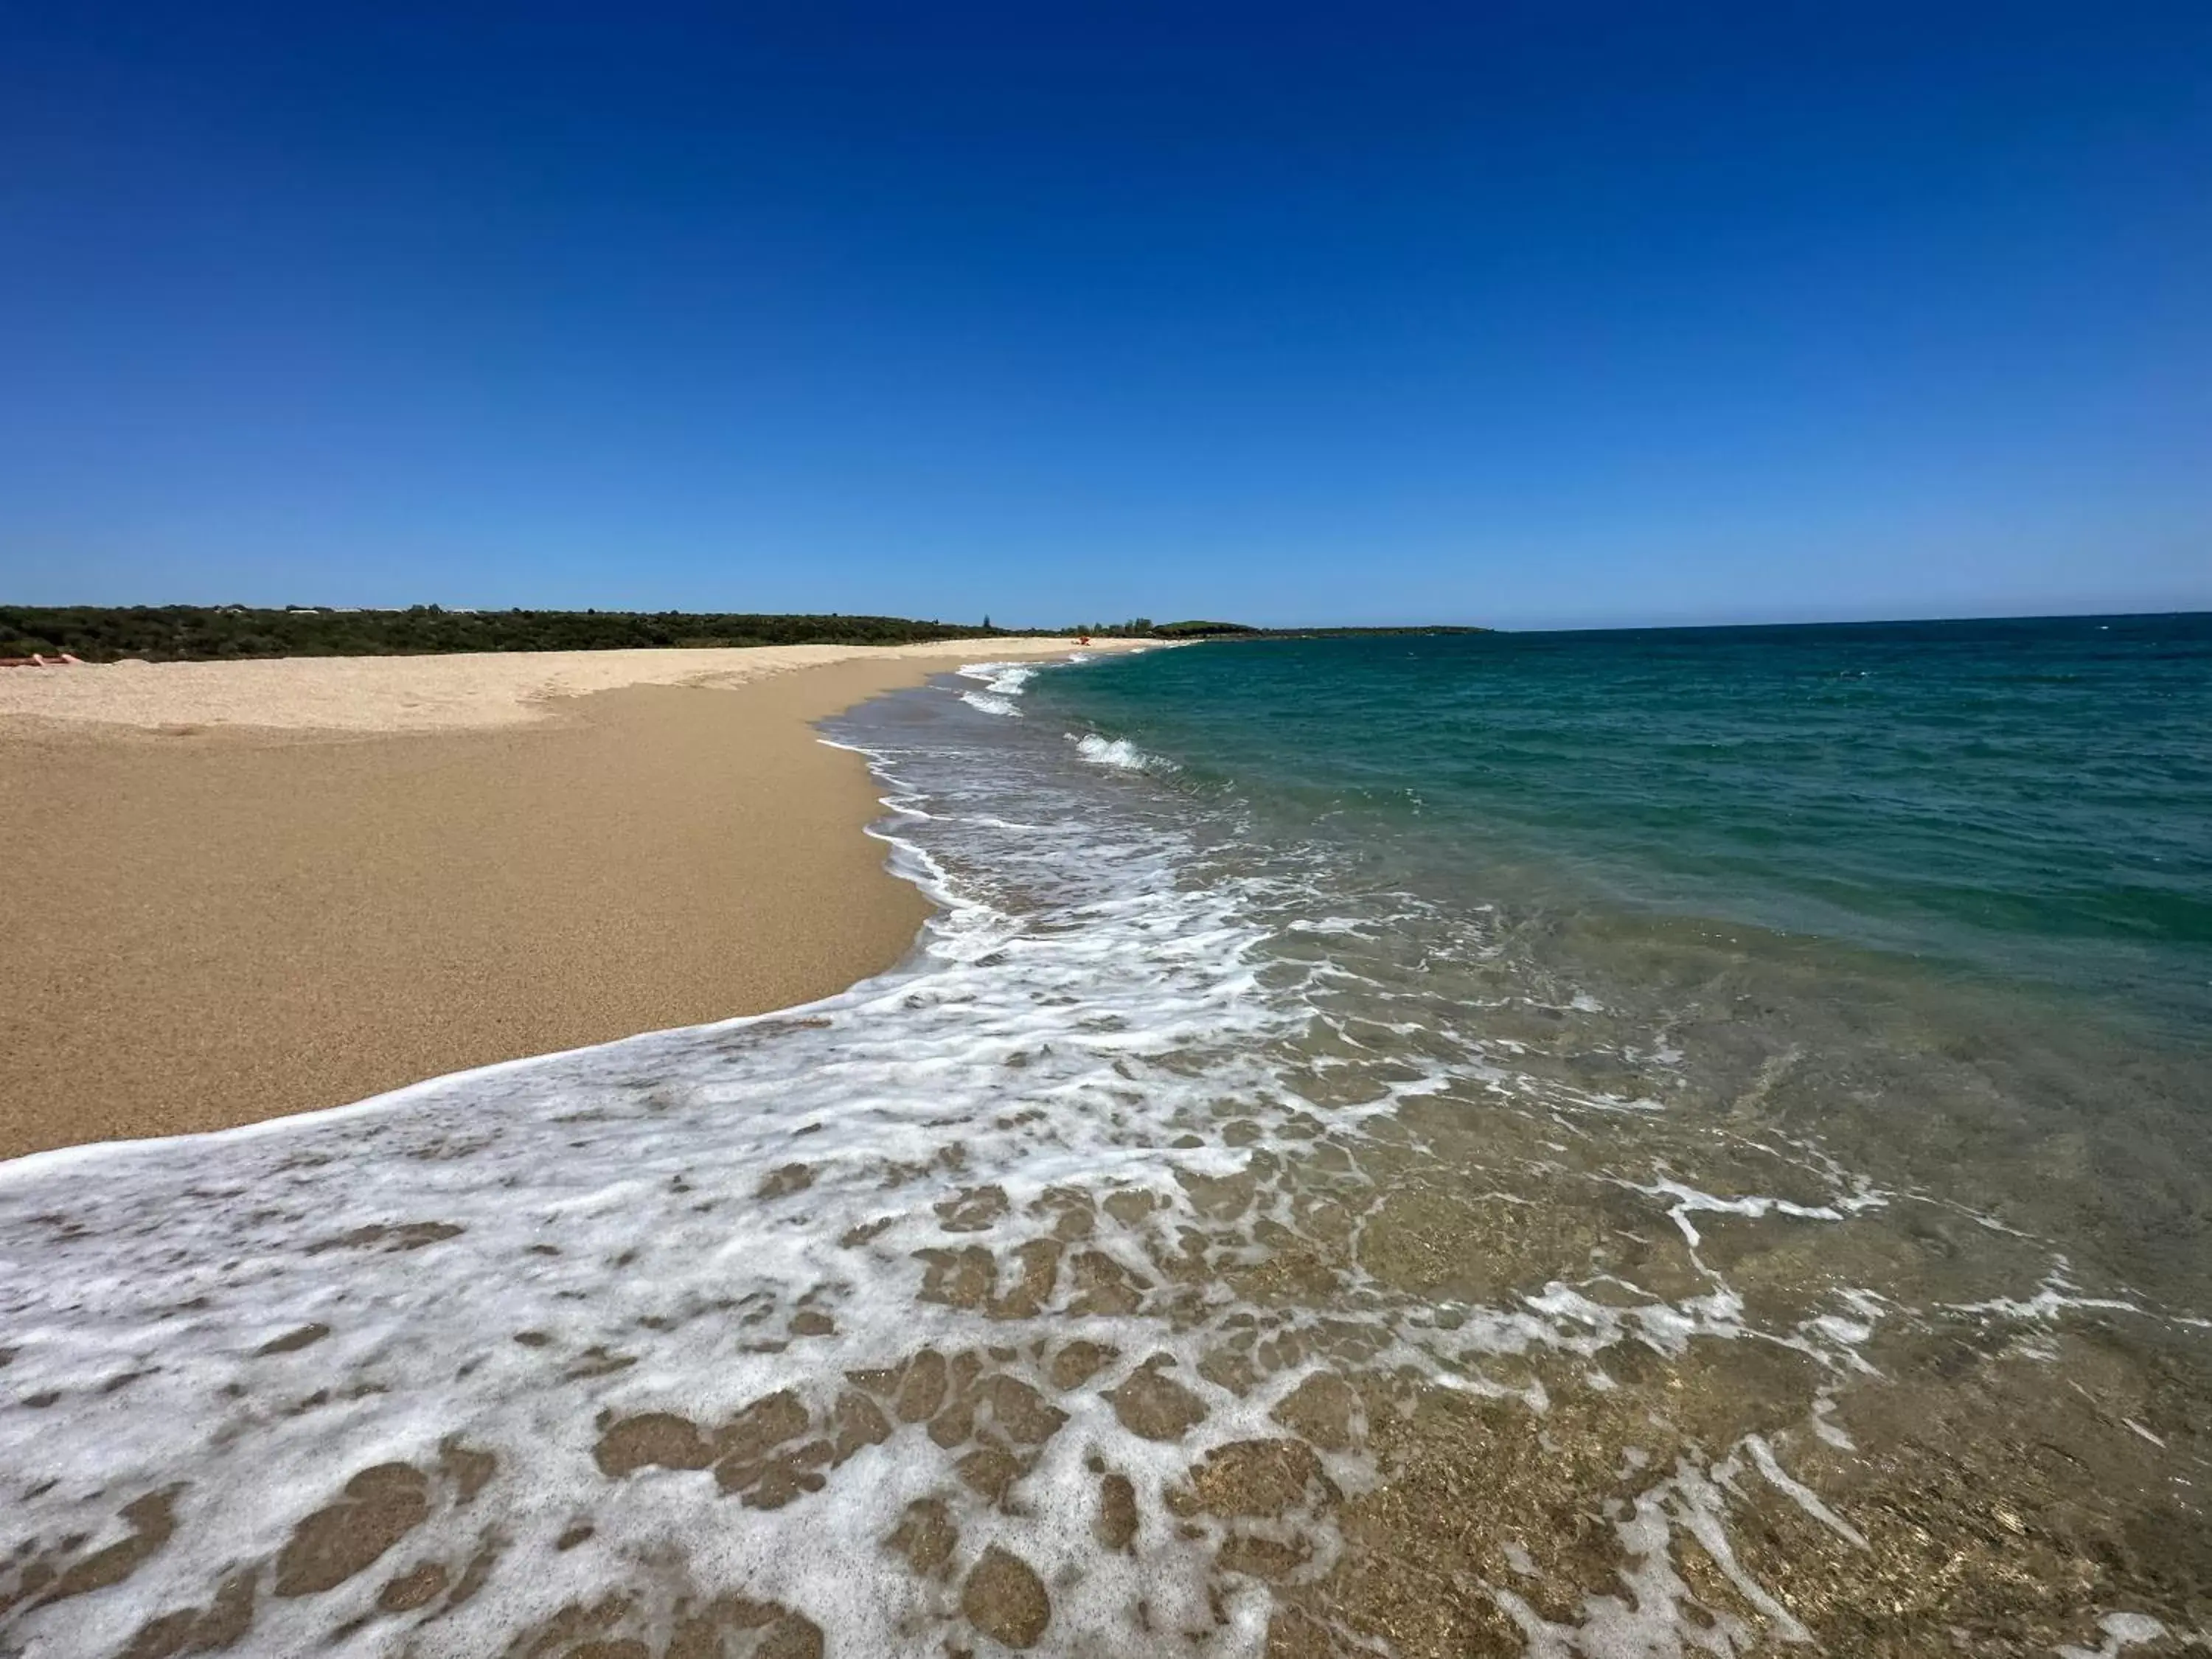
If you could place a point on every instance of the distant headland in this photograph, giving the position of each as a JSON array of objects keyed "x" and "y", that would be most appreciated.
[{"x": 1224, "y": 630}]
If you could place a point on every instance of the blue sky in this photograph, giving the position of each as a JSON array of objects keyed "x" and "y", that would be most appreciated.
[{"x": 1534, "y": 314}]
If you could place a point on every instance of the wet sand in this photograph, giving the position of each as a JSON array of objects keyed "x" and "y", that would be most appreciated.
[{"x": 210, "y": 923}]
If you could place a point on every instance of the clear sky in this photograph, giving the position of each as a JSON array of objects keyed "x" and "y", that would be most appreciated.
[{"x": 1534, "y": 314}]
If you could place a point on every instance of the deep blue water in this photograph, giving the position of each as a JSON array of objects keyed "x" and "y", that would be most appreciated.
[{"x": 2023, "y": 801}]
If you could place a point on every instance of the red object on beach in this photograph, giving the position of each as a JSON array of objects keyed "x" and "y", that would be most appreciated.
[{"x": 1082, "y": 639}]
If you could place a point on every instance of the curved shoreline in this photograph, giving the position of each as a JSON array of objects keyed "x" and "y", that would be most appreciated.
[{"x": 236, "y": 923}]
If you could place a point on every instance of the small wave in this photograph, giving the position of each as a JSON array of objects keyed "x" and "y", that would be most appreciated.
[
  {"x": 1117, "y": 752},
  {"x": 1002, "y": 683}
]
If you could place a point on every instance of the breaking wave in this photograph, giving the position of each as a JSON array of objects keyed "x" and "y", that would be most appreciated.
[{"x": 1002, "y": 683}]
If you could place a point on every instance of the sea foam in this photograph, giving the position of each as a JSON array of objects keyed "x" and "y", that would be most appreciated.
[
  {"x": 1118, "y": 753},
  {"x": 1002, "y": 683},
  {"x": 511, "y": 1265}
]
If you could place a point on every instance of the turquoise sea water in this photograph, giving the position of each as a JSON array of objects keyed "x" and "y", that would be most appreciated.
[{"x": 2027, "y": 801}]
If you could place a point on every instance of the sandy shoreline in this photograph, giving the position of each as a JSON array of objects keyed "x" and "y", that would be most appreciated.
[
  {"x": 239, "y": 890},
  {"x": 460, "y": 691}
]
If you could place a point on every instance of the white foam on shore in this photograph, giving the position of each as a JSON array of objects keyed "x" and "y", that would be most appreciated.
[
  {"x": 2121, "y": 1631},
  {"x": 622, "y": 1201}
]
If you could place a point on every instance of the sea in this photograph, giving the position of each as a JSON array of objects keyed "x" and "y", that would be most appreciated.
[{"x": 1685, "y": 1142}]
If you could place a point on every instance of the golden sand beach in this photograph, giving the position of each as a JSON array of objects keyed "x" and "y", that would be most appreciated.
[{"x": 241, "y": 890}]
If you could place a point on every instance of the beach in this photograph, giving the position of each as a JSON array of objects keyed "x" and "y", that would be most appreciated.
[
  {"x": 1277, "y": 1203},
  {"x": 242, "y": 889}
]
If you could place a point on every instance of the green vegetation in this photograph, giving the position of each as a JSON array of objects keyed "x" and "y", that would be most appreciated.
[
  {"x": 1137, "y": 627},
  {"x": 1351, "y": 633},
  {"x": 1200, "y": 630},
  {"x": 178, "y": 632},
  {"x": 175, "y": 632},
  {"x": 1224, "y": 630},
  {"x": 1142, "y": 628}
]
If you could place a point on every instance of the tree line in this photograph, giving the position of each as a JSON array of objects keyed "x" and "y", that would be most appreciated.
[
  {"x": 173, "y": 633},
  {"x": 183, "y": 633}
]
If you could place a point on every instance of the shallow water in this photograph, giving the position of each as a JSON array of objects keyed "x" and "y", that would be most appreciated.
[
  {"x": 1240, "y": 1228},
  {"x": 2025, "y": 799}
]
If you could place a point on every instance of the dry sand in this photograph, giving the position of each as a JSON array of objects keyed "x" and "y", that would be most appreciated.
[
  {"x": 460, "y": 692},
  {"x": 236, "y": 890}
]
